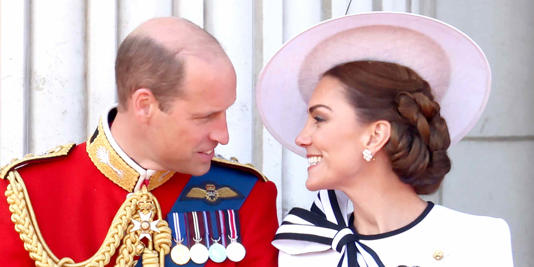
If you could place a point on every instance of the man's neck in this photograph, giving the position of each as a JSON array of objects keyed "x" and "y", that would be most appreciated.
[{"x": 128, "y": 137}]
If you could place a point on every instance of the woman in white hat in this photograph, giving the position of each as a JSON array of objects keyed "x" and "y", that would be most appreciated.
[{"x": 374, "y": 101}]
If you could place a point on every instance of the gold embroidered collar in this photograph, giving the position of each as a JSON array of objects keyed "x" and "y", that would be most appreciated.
[{"x": 111, "y": 160}]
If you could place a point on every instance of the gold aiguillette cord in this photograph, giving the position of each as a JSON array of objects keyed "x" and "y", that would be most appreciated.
[{"x": 120, "y": 231}]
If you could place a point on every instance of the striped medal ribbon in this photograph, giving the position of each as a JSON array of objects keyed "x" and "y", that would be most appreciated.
[
  {"x": 180, "y": 254},
  {"x": 235, "y": 250},
  {"x": 217, "y": 252},
  {"x": 199, "y": 252}
]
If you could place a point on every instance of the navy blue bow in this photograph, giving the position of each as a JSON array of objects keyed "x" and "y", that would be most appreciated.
[{"x": 325, "y": 224}]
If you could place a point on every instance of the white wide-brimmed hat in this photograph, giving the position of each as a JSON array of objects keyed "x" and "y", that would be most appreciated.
[{"x": 452, "y": 63}]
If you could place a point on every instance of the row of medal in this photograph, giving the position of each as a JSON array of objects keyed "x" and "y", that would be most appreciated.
[{"x": 202, "y": 235}]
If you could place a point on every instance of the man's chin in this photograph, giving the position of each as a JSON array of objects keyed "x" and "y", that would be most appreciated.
[{"x": 199, "y": 169}]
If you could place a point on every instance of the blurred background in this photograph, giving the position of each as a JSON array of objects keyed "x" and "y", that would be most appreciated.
[{"x": 57, "y": 79}]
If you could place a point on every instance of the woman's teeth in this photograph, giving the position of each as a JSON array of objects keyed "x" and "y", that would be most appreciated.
[{"x": 312, "y": 161}]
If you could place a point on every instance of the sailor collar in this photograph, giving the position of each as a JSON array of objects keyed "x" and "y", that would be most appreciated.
[{"x": 113, "y": 162}]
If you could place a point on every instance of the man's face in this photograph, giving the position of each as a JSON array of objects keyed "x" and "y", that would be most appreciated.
[{"x": 184, "y": 137}]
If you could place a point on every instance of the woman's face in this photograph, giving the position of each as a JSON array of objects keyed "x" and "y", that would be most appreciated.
[{"x": 333, "y": 137}]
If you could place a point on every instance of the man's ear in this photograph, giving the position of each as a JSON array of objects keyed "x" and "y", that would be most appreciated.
[
  {"x": 379, "y": 133},
  {"x": 143, "y": 104}
]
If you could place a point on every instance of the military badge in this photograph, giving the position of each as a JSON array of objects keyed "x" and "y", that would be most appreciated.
[{"x": 212, "y": 194}]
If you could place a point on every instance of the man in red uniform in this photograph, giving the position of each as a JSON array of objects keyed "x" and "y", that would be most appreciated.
[{"x": 145, "y": 188}]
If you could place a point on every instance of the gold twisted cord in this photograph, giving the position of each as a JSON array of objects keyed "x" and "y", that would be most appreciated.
[
  {"x": 26, "y": 225},
  {"x": 163, "y": 240},
  {"x": 23, "y": 224},
  {"x": 131, "y": 246},
  {"x": 150, "y": 258}
]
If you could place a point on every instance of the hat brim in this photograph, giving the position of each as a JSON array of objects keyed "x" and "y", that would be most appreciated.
[{"x": 453, "y": 64}]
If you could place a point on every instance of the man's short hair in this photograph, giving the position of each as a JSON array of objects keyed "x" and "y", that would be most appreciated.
[{"x": 143, "y": 63}]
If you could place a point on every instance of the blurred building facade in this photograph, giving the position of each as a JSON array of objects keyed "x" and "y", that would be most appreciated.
[{"x": 57, "y": 79}]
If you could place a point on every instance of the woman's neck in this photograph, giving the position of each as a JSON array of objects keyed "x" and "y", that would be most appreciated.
[{"x": 382, "y": 203}]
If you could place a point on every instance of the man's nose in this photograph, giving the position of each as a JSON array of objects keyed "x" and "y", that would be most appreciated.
[{"x": 220, "y": 131}]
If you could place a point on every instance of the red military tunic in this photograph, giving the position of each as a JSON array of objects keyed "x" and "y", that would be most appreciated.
[{"x": 76, "y": 196}]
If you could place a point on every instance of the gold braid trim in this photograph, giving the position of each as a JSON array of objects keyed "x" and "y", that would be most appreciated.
[
  {"x": 233, "y": 162},
  {"x": 131, "y": 246},
  {"x": 120, "y": 230},
  {"x": 58, "y": 151}
]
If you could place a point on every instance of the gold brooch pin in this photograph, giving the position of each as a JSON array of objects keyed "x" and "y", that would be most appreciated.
[{"x": 438, "y": 255}]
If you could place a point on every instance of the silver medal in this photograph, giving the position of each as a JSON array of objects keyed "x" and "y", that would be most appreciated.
[
  {"x": 199, "y": 253},
  {"x": 235, "y": 251},
  {"x": 217, "y": 252},
  {"x": 180, "y": 254}
]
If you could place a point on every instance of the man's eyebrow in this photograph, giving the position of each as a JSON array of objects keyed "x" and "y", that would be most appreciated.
[{"x": 312, "y": 108}]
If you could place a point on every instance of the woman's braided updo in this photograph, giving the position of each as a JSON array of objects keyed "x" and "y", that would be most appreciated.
[{"x": 419, "y": 137}]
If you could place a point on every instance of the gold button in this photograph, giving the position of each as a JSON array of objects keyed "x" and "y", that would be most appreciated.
[
  {"x": 438, "y": 255},
  {"x": 145, "y": 225}
]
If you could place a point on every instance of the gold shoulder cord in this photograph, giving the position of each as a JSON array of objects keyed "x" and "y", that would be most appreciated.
[
  {"x": 233, "y": 161},
  {"x": 133, "y": 221}
]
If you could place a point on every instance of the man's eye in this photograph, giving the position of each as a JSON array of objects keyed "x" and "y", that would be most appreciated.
[{"x": 208, "y": 117}]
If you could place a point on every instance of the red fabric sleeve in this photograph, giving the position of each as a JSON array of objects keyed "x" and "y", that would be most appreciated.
[{"x": 258, "y": 225}]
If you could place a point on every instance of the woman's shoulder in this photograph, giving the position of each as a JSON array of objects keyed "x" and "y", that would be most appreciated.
[
  {"x": 467, "y": 223},
  {"x": 474, "y": 233},
  {"x": 472, "y": 236}
]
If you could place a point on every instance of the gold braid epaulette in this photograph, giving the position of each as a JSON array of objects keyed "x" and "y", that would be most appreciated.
[
  {"x": 121, "y": 231},
  {"x": 246, "y": 167},
  {"x": 59, "y": 151}
]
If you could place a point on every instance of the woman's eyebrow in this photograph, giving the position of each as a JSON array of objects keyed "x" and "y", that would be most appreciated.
[{"x": 312, "y": 108}]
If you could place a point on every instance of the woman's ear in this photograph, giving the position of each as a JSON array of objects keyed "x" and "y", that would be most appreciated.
[
  {"x": 379, "y": 133},
  {"x": 143, "y": 103}
]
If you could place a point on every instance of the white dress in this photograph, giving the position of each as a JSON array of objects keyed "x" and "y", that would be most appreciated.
[{"x": 438, "y": 237}]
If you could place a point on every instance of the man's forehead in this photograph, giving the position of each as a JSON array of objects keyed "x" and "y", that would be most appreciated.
[
  {"x": 177, "y": 35},
  {"x": 202, "y": 74}
]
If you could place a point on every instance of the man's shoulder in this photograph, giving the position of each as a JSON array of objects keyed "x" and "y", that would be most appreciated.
[
  {"x": 227, "y": 185},
  {"x": 54, "y": 154},
  {"x": 233, "y": 164}
]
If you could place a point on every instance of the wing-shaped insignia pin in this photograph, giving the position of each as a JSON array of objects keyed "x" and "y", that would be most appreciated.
[
  {"x": 211, "y": 193},
  {"x": 226, "y": 192},
  {"x": 196, "y": 192}
]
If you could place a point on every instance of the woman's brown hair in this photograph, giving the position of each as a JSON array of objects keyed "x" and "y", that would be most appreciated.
[{"x": 419, "y": 137}]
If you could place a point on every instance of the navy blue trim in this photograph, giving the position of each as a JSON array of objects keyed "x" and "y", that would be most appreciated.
[
  {"x": 313, "y": 218},
  {"x": 111, "y": 115},
  {"x": 93, "y": 137},
  {"x": 340, "y": 263},
  {"x": 239, "y": 181},
  {"x": 336, "y": 209},
  {"x": 316, "y": 209},
  {"x": 344, "y": 241},
  {"x": 349, "y": 241},
  {"x": 373, "y": 254},
  {"x": 419, "y": 218},
  {"x": 304, "y": 237},
  {"x": 352, "y": 255}
]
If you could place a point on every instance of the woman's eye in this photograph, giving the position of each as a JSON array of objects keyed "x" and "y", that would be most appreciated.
[{"x": 318, "y": 118}]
